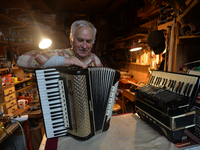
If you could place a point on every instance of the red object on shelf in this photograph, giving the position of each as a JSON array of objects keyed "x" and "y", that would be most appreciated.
[{"x": 24, "y": 97}]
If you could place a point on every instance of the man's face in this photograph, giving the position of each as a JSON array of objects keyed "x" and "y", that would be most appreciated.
[{"x": 83, "y": 42}]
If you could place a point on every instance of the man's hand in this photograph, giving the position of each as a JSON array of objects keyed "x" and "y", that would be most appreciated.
[
  {"x": 74, "y": 61},
  {"x": 119, "y": 91}
]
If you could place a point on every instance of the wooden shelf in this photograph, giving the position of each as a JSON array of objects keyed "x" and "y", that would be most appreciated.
[
  {"x": 132, "y": 63},
  {"x": 119, "y": 48},
  {"x": 164, "y": 26},
  {"x": 7, "y": 86},
  {"x": 141, "y": 35},
  {"x": 4, "y": 69},
  {"x": 10, "y": 22},
  {"x": 25, "y": 88},
  {"x": 17, "y": 44},
  {"x": 188, "y": 37}
]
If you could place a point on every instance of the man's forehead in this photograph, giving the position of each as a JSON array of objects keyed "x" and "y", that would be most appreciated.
[{"x": 85, "y": 33}]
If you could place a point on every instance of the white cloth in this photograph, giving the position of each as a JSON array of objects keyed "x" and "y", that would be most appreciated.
[
  {"x": 126, "y": 132},
  {"x": 55, "y": 61}
]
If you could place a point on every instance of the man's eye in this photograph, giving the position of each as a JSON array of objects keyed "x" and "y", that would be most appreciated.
[
  {"x": 80, "y": 40},
  {"x": 89, "y": 41}
]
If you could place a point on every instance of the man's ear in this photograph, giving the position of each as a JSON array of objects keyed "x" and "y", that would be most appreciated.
[{"x": 71, "y": 42}]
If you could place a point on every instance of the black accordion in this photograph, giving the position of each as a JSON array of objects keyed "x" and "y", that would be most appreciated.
[
  {"x": 166, "y": 103},
  {"x": 76, "y": 102}
]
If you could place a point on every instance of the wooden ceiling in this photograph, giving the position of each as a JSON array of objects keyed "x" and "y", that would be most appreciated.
[{"x": 85, "y": 6}]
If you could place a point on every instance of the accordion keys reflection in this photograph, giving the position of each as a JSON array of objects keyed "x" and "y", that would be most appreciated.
[{"x": 75, "y": 101}]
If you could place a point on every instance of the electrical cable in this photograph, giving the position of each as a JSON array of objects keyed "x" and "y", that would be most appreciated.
[
  {"x": 33, "y": 133},
  {"x": 22, "y": 132},
  {"x": 10, "y": 140}
]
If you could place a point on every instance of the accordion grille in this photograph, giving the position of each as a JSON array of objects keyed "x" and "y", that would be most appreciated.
[{"x": 78, "y": 101}]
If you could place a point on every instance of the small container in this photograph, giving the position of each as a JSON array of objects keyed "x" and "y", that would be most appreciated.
[{"x": 1, "y": 128}]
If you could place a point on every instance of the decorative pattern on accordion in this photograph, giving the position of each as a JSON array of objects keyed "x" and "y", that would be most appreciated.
[{"x": 79, "y": 108}]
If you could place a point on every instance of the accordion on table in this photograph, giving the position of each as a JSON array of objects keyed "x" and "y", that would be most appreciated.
[
  {"x": 76, "y": 101},
  {"x": 166, "y": 103}
]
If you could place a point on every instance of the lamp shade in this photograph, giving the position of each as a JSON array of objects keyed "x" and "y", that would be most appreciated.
[{"x": 135, "y": 47}]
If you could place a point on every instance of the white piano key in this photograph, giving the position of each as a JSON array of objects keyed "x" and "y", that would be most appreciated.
[
  {"x": 53, "y": 90},
  {"x": 54, "y": 97}
]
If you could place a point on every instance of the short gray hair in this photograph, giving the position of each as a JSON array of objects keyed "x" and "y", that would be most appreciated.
[{"x": 81, "y": 24}]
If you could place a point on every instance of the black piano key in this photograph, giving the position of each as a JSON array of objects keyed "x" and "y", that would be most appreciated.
[
  {"x": 170, "y": 81},
  {"x": 56, "y": 115},
  {"x": 174, "y": 85},
  {"x": 165, "y": 83},
  {"x": 50, "y": 100},
  {"x": 189, "y": 89},
  {"x": 57, "y": 118},
  {"x": 150, "y": 79},
  {"x": 48, "y": 84},
  {"x": 160, "y": 80},
  {"x": 54, "y": 104},
  {"x": 58, "y": 123},
  {"x": 49, "y": 79},
  {"x": 54, "y": 107},
  {"x": 52, "y": 87},
  {"x": 155, "y": 83},
  {"x": 181, "y": 86},
  {"x": 179, "y": 83},
  {"x": 48, "y": 75},
  {"x": 56, "y": 94},
  {"x": 59, "y": 130},
  {"x": 186, "y": 88},
  {"x": 153, "y": 79},
  {"x": 49, "y": 71},
  {"x": 54, "y": 127},
  {"x": 48, "y": 93}
]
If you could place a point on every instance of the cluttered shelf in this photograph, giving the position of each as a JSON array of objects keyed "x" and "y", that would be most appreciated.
[
  {"x": 9, "y": 21},
  {"x": 17, "y": 44},
  {"x": 30, "y": 86},
  {"x": 21, "y": 81}
]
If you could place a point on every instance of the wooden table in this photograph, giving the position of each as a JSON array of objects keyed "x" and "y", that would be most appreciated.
[{"x": 127, "y": 94}]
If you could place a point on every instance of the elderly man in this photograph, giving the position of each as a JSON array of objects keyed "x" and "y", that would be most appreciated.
[{"x": 82, "y": 38}]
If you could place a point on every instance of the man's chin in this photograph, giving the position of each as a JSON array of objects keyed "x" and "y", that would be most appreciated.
[{"x": 83, "y": 54}]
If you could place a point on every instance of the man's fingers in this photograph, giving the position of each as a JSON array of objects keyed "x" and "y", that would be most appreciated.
[
  {"x": 74, "y": 61},
  {"x": 119, "y": 91}
]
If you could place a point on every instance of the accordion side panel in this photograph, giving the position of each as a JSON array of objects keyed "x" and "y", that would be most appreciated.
[{"x": 79, "y": 107}]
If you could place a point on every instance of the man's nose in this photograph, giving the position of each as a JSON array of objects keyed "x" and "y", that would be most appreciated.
[{"x": 84, "y": 44}]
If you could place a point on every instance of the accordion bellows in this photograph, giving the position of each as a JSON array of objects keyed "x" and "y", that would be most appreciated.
[{"x": 75, "y": 101}]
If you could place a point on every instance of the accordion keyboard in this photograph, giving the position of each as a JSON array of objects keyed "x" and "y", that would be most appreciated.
[
  {"x": 51, "y": 102},
  {"x": 177, "y": 83}
]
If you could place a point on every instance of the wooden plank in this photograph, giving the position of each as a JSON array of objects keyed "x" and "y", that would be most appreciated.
[
  {"x": 10, "y": 22},
  {"x": 165, "y": 25},
  {"x": 187, "y": 10},
  {"x": 171, "y": 47},
  {"x": 21, "y": 110},
  {"x": 141, "y": 35}
]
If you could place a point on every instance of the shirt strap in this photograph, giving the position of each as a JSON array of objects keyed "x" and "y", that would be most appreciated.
[{"x": 71, "y": 53}]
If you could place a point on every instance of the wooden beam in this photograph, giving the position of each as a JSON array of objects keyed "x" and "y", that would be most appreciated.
[{"x": 187, "y": 10}]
